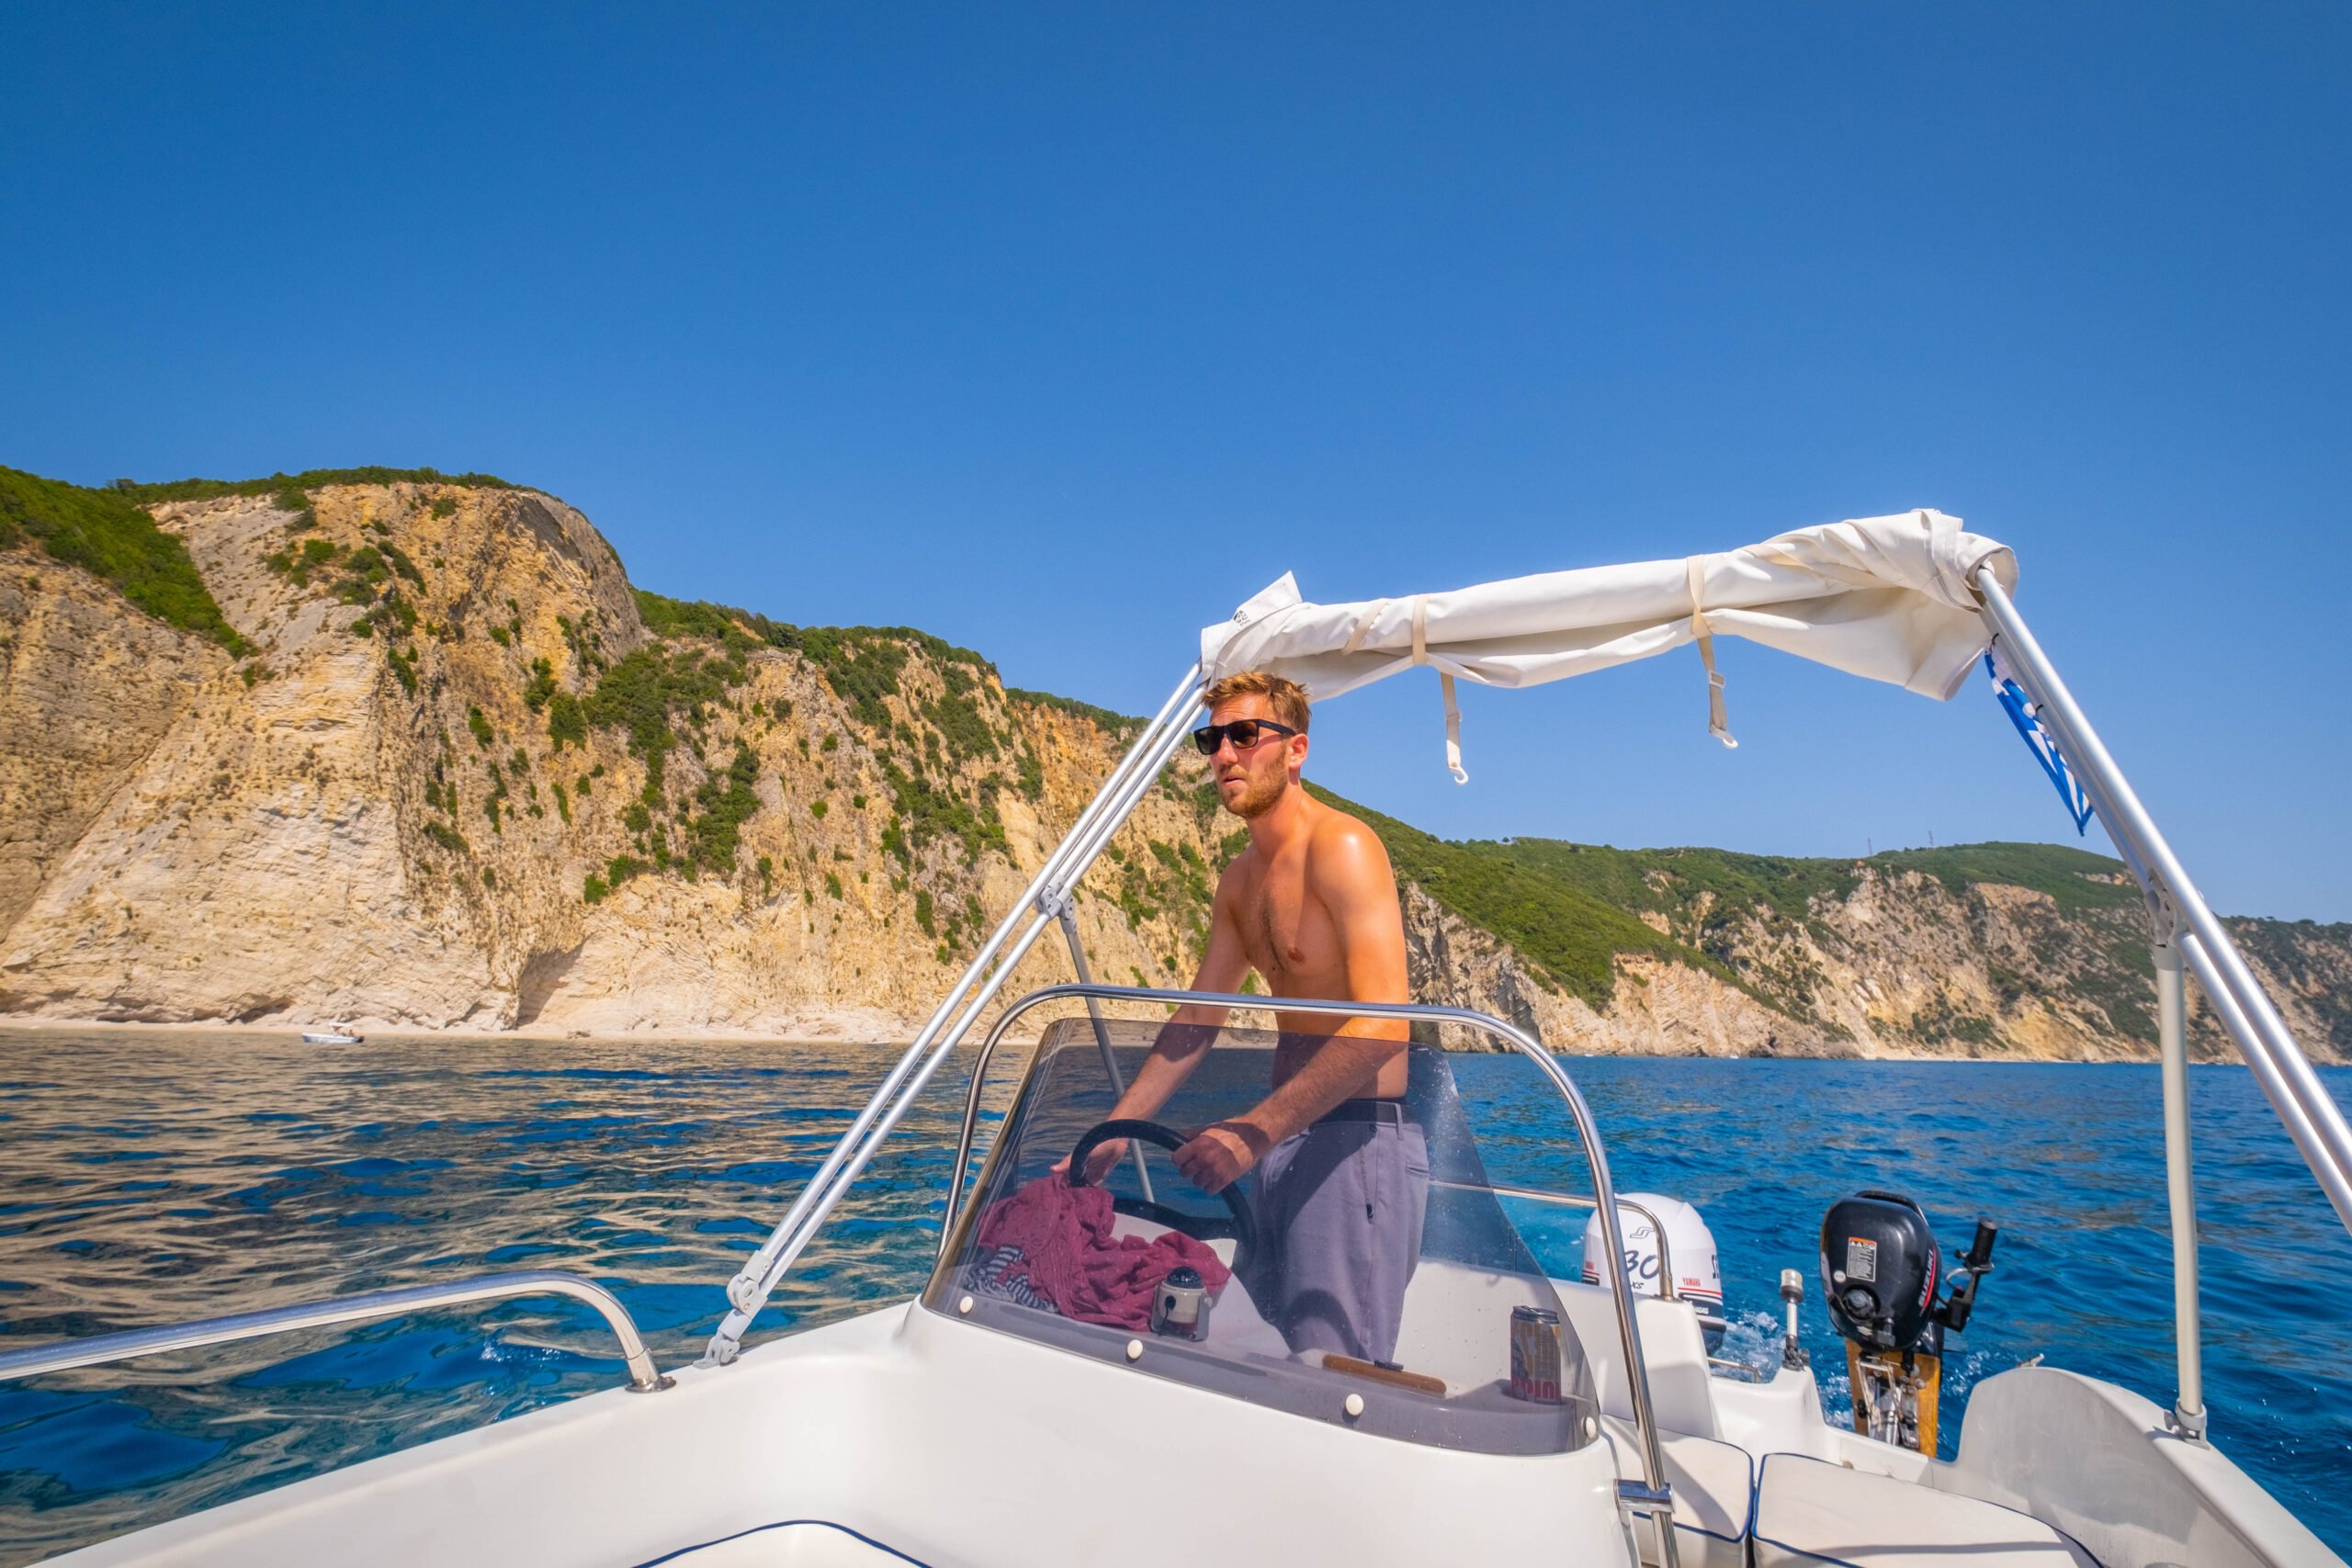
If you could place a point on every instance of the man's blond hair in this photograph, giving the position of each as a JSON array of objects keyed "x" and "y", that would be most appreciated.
[{"x": 1285, "y": 695}]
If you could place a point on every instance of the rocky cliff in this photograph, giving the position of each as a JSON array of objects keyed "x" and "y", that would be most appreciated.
[
  {"x": 2030, "y": 952},
  {"x": 412, "y": 750},
  {"x": 456, "y": 779}
]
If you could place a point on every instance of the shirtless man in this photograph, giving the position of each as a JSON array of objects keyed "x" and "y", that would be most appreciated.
[{"x": 1342, "y": 1171}]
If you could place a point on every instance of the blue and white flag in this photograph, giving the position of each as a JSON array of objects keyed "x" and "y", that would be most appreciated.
[{"x": 2039, "y": 740}]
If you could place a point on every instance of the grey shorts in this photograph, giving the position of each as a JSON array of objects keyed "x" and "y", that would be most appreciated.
[{"x": 1339, "y": 1208}]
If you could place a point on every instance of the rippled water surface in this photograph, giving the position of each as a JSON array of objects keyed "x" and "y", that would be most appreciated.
[{"x": 149, "y": 1177}]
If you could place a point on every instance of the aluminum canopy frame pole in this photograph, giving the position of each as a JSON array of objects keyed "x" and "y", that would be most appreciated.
[
  {"x": 1652, "y": 1495},
  {"x": 2265, "y": 1072},
  {"x": 2187, "y": 1415},
  {"x": 2309, "y": 1114},
  {"x": 1046, "y": 893},
  {"x": 1101, "y": 1043}
]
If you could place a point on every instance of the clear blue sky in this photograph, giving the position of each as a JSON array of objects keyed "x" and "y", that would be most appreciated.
[{"x": 1057, "y": 330}]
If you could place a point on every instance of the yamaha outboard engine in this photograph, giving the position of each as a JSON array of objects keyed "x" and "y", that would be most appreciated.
[
  {"x": 1879, "y": 1270},
  {"x": 1698, "y": 1273}
]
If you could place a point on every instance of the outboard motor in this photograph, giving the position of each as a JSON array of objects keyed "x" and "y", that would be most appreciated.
[
  {"x": 1879, "y": 1270},
  {"x": 1698, "y": 1271}
]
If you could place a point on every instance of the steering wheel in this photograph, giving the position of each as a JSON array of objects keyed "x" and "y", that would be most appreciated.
[{"x": 1242, "y": 1227}]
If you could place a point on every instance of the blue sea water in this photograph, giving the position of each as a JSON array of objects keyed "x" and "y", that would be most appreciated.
[{"x": 147, "y": 1177}]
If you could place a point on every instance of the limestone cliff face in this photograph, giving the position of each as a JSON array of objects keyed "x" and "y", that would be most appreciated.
[
  {"x": 1906, "y": 965},
  {"x": 379, "y": 824},
  {"x": 1657, "y": 1009},
  {"x": 87, "y": 687},
  {"x": 1901, "y": 966},
  {"x": 463, "y": 782},
  {"x": 2307, "y": 968}
]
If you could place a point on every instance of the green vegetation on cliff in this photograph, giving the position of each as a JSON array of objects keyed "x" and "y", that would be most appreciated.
[
  {"x": 1572, "y": 910},
  {"x": 106, "y": 534},
  {"x": 740, "y": 630},
  {"x": 290, "y": 487},
  {"x": 728, "y": 801},
  {"x": 2075, "y": 879},
  {"x": 642, "y": 692},
  {"x": 862, "y": 664},
  {"x": 1710, "y": 897},
  {"x": 1571, "y": 934},
  {"x": 1118, "y": 724},
  {"x": 1718, "y": 886}
]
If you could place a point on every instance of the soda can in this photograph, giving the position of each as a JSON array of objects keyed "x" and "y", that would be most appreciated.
[{"x": 1535, "y": 1355}]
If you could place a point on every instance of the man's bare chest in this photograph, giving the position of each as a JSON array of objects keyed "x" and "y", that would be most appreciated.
[{"x": 1285, "y": 930}]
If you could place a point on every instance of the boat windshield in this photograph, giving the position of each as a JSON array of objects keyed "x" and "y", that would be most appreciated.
[{"x": 1364, "y": 1274}]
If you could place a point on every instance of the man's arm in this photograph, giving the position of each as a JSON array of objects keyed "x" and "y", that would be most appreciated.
[
  {"x": 1350, "y": 874},
  {"x": 1187, "y": 1034}
]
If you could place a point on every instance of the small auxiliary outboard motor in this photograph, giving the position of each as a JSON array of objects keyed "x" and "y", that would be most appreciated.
[{"x": 1879, "y": 1270}]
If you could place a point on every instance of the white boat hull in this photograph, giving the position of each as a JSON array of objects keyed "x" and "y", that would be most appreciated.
[
  {"x": 903, "y": 1435},
  {"x": 944, "y": 1442}
]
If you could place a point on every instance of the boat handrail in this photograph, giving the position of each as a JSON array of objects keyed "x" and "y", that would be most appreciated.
[
  {"x": 1652, "y": 1495},
  {"x": 97, "y": 1349},
  {"x": 1532, "y": 1194}
]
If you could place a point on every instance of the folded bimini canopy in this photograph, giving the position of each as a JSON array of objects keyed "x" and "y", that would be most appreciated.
[{"x": 1888, "y": 598}]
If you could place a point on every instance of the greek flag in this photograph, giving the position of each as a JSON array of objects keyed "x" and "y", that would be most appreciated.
[{"x": 2039, "y": 740}]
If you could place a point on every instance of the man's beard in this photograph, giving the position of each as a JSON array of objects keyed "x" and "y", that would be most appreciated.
[{"x": 1260, "y": 796}]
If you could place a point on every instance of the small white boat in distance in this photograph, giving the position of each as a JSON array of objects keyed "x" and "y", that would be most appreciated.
[{"x": 334, "y": 1032}]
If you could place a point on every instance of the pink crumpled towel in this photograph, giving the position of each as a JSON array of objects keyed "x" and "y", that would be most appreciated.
[{"x": 1058, "y": 1239}]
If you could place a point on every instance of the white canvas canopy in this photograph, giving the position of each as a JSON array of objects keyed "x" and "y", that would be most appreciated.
[{"x": 1884, "y": 597}]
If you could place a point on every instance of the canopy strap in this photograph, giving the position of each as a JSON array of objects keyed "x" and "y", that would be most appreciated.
[
  {"x": 1363, "y": 628},
  {"x": 1445, "y": 689},
  {"x": 1718, "y": 725},
  {"x": 1452, "y": 729}
]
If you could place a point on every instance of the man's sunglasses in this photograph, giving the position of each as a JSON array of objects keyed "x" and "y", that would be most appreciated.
[{"x": 1243, "y": 732}]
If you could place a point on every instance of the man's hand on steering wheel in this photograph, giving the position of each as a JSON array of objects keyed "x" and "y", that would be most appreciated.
[
  {"x": 1129, "y": 1130},
  {"x": 1221, "y": 1154},
  {"x": 1108, "y": 1153}
]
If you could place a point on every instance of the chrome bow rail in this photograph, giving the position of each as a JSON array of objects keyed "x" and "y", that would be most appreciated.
[
  {"x": 1653, "y": 1497},
  {"x": 643, "y": 1376}
]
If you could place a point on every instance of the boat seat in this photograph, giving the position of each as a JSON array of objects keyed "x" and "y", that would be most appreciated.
[
  {"x": 1681, "y": 1390},
  {"x": 790, "y": 1543},
  {"x": 1810, "y": 1512},
  {"x": 1715, "y": 1493}
]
